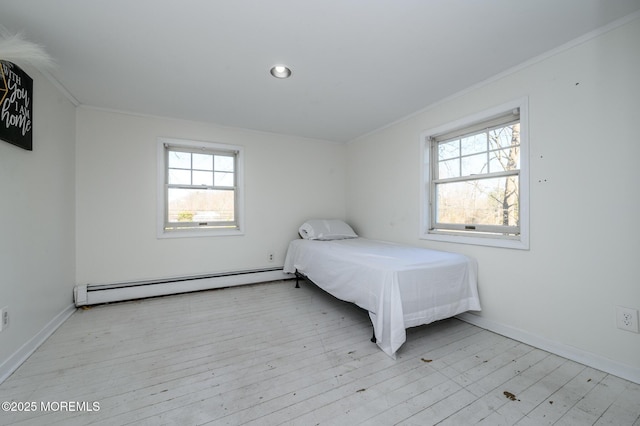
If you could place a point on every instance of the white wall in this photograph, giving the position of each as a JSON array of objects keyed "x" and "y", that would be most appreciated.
[
  {"x": 585, "y": 242},
  {"x": 37, "y": 239},
  {"x": 287, "y": 180}
]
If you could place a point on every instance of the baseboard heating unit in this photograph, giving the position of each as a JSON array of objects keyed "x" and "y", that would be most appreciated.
[{"x": 94, "y": 294}]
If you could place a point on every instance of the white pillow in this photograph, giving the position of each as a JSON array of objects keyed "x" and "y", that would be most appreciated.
[{"x": 322, "y": 229}]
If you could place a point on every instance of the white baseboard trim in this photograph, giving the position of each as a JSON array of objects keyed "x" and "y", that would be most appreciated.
[
  {"x": 14, "y": 361},
  {"x": 598, "y": 362}
]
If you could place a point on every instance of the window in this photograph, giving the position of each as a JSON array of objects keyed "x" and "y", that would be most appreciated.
[
  {"x": 476, "y": 188},
  {"x": 200, "y": 189}
]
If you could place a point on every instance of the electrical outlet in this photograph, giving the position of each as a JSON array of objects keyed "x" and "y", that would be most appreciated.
[
  {"x": 627, "y": 319},
  {"x": 270, "y": 257},
  {"x": 4, "y": 318}
]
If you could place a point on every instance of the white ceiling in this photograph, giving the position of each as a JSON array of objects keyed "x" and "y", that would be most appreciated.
[{"x": 357, "y": 65}]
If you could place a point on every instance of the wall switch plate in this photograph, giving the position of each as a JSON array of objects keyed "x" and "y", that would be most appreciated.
[{"x": 627, "y": 319}]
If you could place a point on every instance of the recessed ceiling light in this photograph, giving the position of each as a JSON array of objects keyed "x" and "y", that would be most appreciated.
[{"x": 280, "y": 71}]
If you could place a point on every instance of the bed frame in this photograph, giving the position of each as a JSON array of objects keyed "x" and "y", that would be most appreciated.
[{"x": 299, "y": 275}]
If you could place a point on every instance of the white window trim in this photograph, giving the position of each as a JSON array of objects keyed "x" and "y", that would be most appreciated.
[
  {"x": 522, "y": 242},
  {"x": 161, "y": 193}
]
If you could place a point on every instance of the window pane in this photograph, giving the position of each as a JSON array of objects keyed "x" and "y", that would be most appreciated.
[
  {"x": 200, "y": 205},
  {"x": 203, "y": 161},
  {"x": 202, "y": 178},
  {"x": 449, "y": 169},
  {"x": 505, "y": 160},
  {"x": 179, "y": 177},
  {"x": 224, "y": 179},
  {"x": 474, "y": 164},
  {"x": 504, "y": 137},
  {"x": 479, "y": 201},
  {"x": 448, "y": 150},
  {"x": 179, "y": 160},
  {"x": 474, "y": 144},
  {"x": 224, "y": 163}
]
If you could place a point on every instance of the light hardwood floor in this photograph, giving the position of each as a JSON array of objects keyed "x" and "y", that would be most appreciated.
[{"x": 271, "y": 354}]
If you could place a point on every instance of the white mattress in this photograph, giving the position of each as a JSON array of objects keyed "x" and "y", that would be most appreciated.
[{"x": 400, "y": 286}]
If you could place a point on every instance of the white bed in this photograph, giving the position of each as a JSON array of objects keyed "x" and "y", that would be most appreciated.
[{"x": 400, "y": 286}]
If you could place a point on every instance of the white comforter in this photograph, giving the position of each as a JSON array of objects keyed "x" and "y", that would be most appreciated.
[{"x": 400, "y": 286}]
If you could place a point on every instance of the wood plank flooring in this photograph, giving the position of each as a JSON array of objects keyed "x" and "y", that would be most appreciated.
[{"x": 270, "y": 354}]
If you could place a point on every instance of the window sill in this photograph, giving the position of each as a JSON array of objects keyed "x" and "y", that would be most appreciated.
[
  {"x": 521, "y": 243},
  {"x": 197, "y": 233}
]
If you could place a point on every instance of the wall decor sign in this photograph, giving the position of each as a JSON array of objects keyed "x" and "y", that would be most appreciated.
[{"x": 16, "y": 106}]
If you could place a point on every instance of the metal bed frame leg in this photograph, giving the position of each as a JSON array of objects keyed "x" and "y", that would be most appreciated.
[{"x": 299, "y": 275}]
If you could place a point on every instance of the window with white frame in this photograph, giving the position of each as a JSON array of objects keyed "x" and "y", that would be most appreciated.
[
  {"x": 199, "y": 188},
  {"x": 476, "y": 187}
]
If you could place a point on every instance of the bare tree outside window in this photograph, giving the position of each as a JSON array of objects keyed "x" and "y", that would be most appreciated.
[{"x": 477, "y": 181}]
